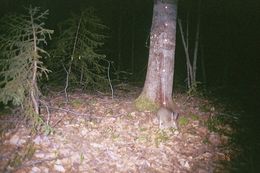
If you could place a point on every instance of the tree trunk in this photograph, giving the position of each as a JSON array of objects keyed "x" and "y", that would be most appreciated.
[
  {"x": 196, "y": 47},
  {"x": 203, "y": 68},
  {"x": 185, "y": 43},
  {"x": 133, "y": 40},
  {"x": 34, "y": 87},
  {"x": 191, "y": 68},
  {"x": 159, "y": 78},
  {"x": 119, "y": 59}
]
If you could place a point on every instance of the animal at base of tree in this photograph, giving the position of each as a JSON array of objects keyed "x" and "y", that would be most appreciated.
[{"x": 167, "y": 118}]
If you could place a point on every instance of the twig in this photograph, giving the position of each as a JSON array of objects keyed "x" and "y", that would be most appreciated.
[
  {"x": 57, "y": 122},
  {"x": 35, "y": 162},
  {"x": 67, "y": 110},
  {"x": 108, "y": 76},
  {"x": 67, "y": 82},
  {"x": 70, "y": 111},
  {"x": 71, "y": 60},
  {"x": 47, "y": 109}
]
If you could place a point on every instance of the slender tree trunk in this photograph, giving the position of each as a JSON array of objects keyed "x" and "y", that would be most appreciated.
[
  {"x": 71, "y": 61},
  {"x": 159, "y": 78},
  {"x": 34, "y": 88},
  {"x": 119, "y": 60},
  {"x": 187, "y": 55},
  {"x": 81, "y": 74},
  {"x": 226, "y": 61},
  {"x": 133, "y": 39},
  {"x": 191, "y": 68},
  {"x": 196, "y": 46},
  {"x": 204, "y": 77}
]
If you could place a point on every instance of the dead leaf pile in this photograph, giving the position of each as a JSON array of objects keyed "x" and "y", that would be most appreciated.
[{"x": 99, "y": 134}]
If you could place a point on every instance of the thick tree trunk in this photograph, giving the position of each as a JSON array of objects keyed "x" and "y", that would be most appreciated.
[{"x": 159, "y": 78}]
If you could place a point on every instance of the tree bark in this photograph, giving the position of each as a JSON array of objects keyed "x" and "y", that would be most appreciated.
[{"x": 159, "y": 78}]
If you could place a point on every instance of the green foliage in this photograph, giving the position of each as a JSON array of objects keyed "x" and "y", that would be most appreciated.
[
  {"x": 48, "y": 129},
  {"x": 77, "y": 51},
  {"x": 21, "y": 59},
  {"x": 161, "y": 136},
  {"x": 142, "y": 103},
  {"x": 183, "y": 121},
  {"x": 194, "y": 117},
  {"x": 193, "y": 90},
  {"x": 206, "y": 107},
  {"x": 82, "y": 158},
  {"x": 76, "y": 103},
  {"x": 24, "y": 153},
  {"x": 216, "y": 123},
  {"x": 122, "y": 76}
]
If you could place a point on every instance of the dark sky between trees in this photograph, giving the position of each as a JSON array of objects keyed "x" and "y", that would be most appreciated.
[{"x": 229, "y": 34}]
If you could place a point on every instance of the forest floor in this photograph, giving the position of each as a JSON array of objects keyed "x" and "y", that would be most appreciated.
[{"x": 95, "y": 133}]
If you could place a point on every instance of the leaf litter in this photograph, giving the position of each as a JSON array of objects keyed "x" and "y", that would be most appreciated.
[{"x": 100, "y": 134}]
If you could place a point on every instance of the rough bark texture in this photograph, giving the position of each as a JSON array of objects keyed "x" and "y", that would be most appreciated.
[{"x": 159, "y": 78}]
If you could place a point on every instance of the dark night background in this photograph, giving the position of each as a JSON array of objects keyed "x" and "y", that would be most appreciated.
[
  {"x": 230, "y": 31},
  {"x": 229, "y": 34}
]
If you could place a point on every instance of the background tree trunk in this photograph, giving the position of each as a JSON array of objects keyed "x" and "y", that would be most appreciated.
[
  {"x": 196, "y": 47},
  {"x": 119, "y": 40},
  {"x": 203, "y": 67},
  {"x": 133, "y": 40},
  {"x": 191, "y": 68},
  {"x": 159, "y": 78}
]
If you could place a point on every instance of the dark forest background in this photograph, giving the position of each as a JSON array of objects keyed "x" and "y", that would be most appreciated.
[
  {"x": 229, "y": 34},
  {"x": 229, "y": 40}
]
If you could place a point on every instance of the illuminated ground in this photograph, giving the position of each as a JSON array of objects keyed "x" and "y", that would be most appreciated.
[{"x": 105, "y": 135}]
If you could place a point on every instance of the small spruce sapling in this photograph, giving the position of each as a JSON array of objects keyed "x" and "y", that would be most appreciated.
[
  {"x": 21, "y": 60},
  {"x": 77, "y": 51}
]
